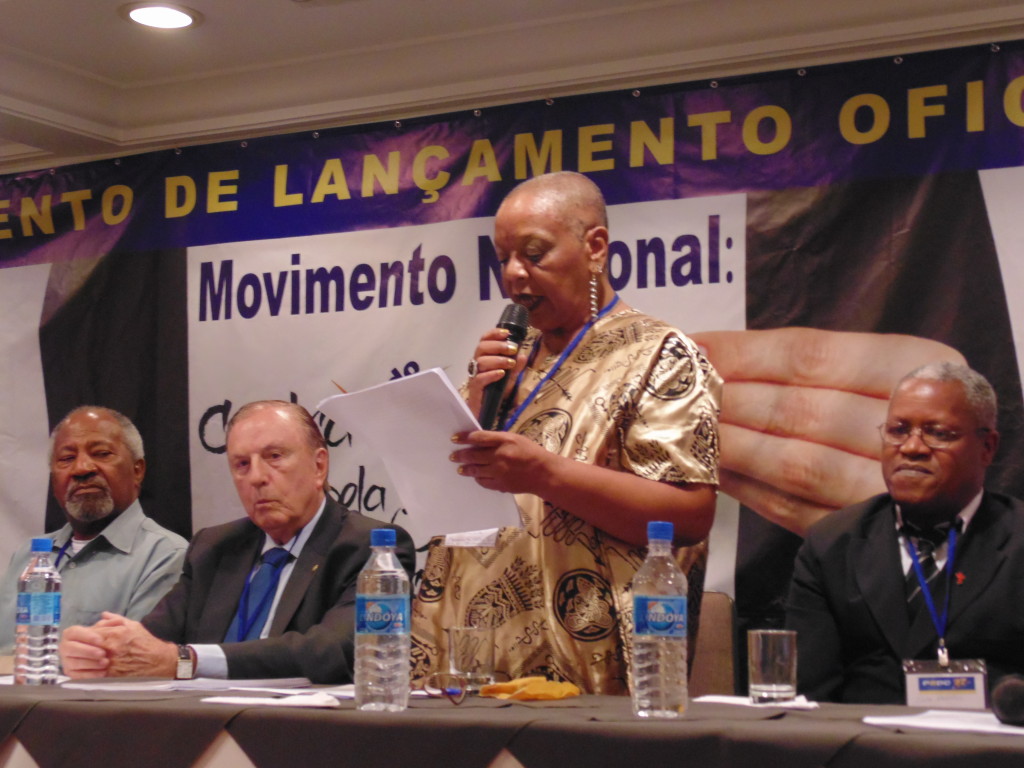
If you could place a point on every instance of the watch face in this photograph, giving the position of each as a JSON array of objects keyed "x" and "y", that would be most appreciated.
[{"x": 184, "y": 670}]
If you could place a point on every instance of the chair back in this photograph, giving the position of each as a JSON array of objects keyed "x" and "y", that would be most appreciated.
[{"x": 714, "y": 658}]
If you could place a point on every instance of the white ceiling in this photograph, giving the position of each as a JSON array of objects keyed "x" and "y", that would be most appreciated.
[{"x": 77, "y": 81}]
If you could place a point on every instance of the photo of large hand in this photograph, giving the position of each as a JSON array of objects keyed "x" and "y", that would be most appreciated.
[{"x": 800, "y": 415}]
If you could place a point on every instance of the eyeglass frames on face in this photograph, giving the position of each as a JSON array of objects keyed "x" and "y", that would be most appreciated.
[{"x": 932, "y": 435}]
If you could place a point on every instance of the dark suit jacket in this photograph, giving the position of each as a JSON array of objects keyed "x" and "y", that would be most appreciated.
[
  {"x": 312, "y": 631},
  {"x": 847, "y": 603}
]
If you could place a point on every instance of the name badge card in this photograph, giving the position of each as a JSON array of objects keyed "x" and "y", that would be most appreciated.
[{"x": 960, "y": 685}]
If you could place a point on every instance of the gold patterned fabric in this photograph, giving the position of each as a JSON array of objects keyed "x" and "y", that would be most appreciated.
[{"x": 635, "y": 396}]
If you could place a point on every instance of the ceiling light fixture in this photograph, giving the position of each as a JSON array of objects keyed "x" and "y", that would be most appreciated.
[{"x": 161, "y": 15}]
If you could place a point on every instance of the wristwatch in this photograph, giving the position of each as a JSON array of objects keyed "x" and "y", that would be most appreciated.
[{"x": 186, "y": 668}]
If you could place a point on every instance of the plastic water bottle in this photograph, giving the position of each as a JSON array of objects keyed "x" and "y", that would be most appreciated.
[
  {"x": 659, "y": 630},
  {"x": 36, "y": 661},
  {"x": 382, "y": 628}
]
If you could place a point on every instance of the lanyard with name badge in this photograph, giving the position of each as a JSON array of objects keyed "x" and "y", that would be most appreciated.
[
  {"x": 947, "y": 683},
  {"x": 554, "y": 369},
  {"x": 939, "y": 621},
  {"x": 61, "y": 552}
]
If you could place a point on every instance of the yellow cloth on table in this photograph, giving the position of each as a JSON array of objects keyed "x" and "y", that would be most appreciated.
[{"x": 530, "y": 689}]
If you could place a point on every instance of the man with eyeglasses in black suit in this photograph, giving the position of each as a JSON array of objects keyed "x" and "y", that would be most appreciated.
[{"x": 862, "y": 578}]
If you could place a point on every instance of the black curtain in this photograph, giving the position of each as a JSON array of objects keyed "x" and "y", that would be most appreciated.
[{"x": 118, "y": 337}]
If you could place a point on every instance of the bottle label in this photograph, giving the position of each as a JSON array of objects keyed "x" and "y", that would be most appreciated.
[
  {"x": 659, "y": 616},
  {"x": 382, "y": 614},
  {"x": 38, "y": 609}
]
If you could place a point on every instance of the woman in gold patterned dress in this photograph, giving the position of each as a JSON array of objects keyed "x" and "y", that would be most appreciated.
[{"x": 609, "y": 421}]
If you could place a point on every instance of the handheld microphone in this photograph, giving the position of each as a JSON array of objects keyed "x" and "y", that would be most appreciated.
[
  {"x": 515, "y": 319},
  {"x": 1008, "y": 700}
]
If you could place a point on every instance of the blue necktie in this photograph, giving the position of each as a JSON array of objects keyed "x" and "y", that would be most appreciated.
[{"x": 254, "y": 605}]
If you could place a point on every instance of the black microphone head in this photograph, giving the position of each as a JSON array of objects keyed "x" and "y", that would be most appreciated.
[
  {"x": 1008, "y": 700},
  {"x": 515, "y": 319}
]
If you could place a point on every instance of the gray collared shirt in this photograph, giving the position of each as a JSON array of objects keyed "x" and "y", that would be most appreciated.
[{"x": 126, "y": 569}]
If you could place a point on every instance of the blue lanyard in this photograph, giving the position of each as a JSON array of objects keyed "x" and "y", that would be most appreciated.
[
  {"x": 60, "y": 553},
  {"x": 554, "y": 369},
  {"x": 938, "y": 621},
  {"x": 245, "y": 621}
]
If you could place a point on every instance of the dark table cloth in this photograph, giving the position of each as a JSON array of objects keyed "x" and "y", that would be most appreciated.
[{"x": 109, "y": 729}]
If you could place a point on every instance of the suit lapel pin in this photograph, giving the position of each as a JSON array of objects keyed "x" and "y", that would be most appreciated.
[
  {"x": 317, "y": 565},
  {"x": 960, "y": 578}
]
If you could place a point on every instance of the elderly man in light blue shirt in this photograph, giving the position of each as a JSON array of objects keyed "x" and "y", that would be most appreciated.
[{"x": 111, "y": 557}]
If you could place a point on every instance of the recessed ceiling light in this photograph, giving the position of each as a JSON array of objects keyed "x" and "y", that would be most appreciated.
[{"x": 161, "y": 15}]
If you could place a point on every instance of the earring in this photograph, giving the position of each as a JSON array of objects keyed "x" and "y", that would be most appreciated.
[{"x": 594, "y": 309}]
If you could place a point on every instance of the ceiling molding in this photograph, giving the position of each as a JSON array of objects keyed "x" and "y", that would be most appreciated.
[{"x": 55, "y": 114}]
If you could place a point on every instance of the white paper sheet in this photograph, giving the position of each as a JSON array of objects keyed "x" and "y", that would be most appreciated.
[
  {"x": 272, "y": 685},
  {"x": 409, "y": 423},
  {"x": 800, "y": 702},
  {"x": 310, "y": 699},
  {"x": 348, "y": 691},
  {"x": 9, "y": 679},
  {"x": 948, "y": 720}
]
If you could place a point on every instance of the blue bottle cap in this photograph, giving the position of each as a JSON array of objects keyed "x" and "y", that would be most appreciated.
[
  {"x": 42, "y": 544},
  {"x": 659, "y": 531},
  {"x": 382, "y": 537}
]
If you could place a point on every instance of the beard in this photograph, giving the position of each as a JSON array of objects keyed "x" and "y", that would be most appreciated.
[{"x": 91, "y": 508}]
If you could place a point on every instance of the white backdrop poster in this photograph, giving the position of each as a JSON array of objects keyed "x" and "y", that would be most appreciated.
[
  {"x": 295, "y": 318},
  {"x": 24, "y": 442}
]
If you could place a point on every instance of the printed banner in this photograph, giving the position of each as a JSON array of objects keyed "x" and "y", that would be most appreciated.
[
  {"x": 300, "y": 317},
  {"x": 829, "y": 226}
]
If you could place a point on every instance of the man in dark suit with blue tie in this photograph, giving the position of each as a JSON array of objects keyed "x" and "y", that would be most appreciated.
[
  {"x": 272, "y": 595},
  {"x": 857, "y": 598}
]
